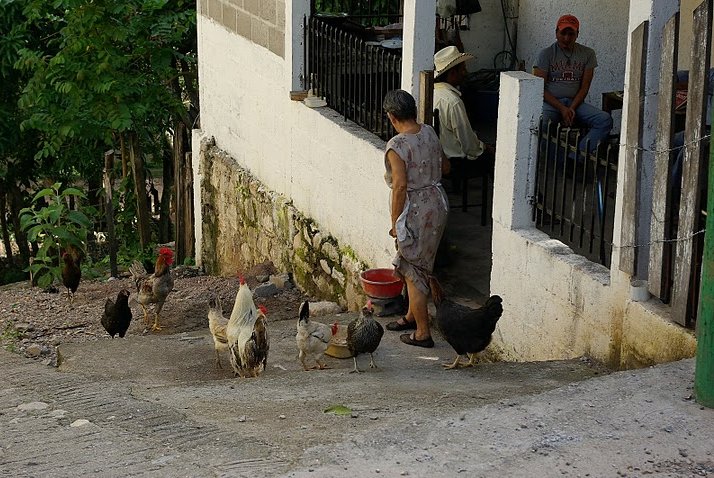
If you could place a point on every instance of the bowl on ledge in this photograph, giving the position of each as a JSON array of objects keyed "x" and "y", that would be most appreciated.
[{"x": 381, "y": 283}]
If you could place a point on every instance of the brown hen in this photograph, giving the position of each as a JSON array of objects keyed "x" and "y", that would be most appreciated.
[{"x": 154, "y": 288}]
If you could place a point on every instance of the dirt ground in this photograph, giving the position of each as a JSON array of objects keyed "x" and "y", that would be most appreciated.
[
  {"x": 155, "y": 404},
  {"x": 161, "y": 396},
  {"x": 34, "y": 322}
]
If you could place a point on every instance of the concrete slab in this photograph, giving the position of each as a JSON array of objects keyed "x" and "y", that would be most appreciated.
[{"x": 156, "y": 405}]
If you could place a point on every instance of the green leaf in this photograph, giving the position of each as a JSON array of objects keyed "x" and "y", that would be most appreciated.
[
  {"x": 339, "y": 410},
  {"x": 34, "y": 232},
  {"x": 54, "y": 214},
  {"x": 45, "y": 192},
  {"x": 26, "y": 220},
  {"x": 45, "y": 280},
  {"x": 73, "y": 192},
  {"x": 79, "y": 218}
]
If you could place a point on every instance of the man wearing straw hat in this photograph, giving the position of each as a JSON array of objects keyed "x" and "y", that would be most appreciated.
[{"x": 457, "y": 137}]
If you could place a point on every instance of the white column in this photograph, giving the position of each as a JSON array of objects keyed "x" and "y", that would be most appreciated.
[
  {"x": 417, "y": 42},
  {"x": 295, "y": 13},
  {"x": 519, "y": 109}
]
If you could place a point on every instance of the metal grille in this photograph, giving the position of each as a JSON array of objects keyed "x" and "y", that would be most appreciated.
[
  {"x": 575, "y": 192},
  {"x": 351, "y": 74}
]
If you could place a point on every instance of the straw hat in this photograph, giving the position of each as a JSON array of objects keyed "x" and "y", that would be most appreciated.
[{"x": 447, "y": 58}]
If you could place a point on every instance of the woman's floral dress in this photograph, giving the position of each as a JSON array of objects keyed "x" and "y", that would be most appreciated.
[{"x": 421, "y": 224}]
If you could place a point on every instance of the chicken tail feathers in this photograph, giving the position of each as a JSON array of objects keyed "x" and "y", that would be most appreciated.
[
  {"x": 494, "y": 306},
  {"x": 437, "y": 292},
  {"x": 214, "y": 303},
  {"x": 138, "y": 274},
  {"x": 304, "y": 313}
]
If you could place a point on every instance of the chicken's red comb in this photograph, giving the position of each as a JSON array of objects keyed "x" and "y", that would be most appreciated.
[
  {"x": 262, "y": 309},
  {"x": 165, "y": 251},
  {"x": 369, "y": 304},
  {"x": 241, "y": 279}
]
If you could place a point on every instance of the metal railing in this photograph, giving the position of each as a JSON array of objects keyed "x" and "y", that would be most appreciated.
[
  {"x": 366, "y": 12},
  {"x": 351, "y": 74},
  {"x": 575, "y": 192}
]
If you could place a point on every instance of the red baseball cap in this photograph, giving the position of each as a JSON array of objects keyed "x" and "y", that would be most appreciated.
[{"x": 568, "y": 21}]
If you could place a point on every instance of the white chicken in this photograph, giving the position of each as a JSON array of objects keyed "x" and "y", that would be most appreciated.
[
  {"x": 247, "y": 335},
  {"x": 312, "y": 338}
]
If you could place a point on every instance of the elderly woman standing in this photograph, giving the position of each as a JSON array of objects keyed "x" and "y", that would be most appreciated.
[{"x": 414, "y": 162}]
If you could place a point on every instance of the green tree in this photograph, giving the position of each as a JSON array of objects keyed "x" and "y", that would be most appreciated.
[{"x": 107, "y": 75}]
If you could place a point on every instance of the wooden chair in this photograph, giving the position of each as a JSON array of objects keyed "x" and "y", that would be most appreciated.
[{"x": 462, "y": 170}]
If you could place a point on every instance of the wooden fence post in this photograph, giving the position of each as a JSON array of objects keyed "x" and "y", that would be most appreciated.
[
  {"x": 692, "y": 165},
  {"x": 109, "y": 210},
  {"x": 425, "y": 110},
  {"x": 660, "y": 227},
  {"x": 628, "y": 235}
]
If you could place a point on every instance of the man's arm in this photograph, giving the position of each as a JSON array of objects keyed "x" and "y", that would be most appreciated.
[
  {"x": 470, "y": 144},
  {"x": 584, "y": 88},
  {"x": 568, "y": 114}
]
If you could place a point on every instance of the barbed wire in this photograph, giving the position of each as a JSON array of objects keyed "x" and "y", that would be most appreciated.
[
  {"x": 537, "y": 132},
  {"x": 688, "y": 237}
]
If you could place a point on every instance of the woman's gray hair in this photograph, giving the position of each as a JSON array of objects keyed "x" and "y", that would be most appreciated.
[{"x": 400, "y": 104}]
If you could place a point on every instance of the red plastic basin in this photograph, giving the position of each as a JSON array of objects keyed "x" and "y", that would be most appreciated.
[{"x": 381, "y": 283}]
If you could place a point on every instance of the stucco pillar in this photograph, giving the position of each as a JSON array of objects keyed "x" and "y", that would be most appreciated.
[
  {"x": 519, "y": 109},
  {"x": 295, "y": 12},
  {"x": 418, "y": 42}
]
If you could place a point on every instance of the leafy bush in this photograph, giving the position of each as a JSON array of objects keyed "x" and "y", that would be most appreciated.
[{"x": 54, "y": 226}]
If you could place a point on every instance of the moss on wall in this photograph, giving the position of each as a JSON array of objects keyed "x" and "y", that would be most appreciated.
[{"x": 245, "y": 224}]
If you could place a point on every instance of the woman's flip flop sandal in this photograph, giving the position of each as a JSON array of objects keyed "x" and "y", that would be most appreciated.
[
  {"x": 396, "y": 326},
  {"x": 409, "y": 340}
]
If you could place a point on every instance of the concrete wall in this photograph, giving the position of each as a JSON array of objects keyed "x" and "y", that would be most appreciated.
[
  {"x": 329, "y": 172},
  {"x": 557, "y": 304},
  {"x": 261, "y": 21},
  {"x": 603, "y": 27},
  {"x": 331, "y": 169},
  {"x": 244, "y": 223},
  {"x": 487, "y": 35}
]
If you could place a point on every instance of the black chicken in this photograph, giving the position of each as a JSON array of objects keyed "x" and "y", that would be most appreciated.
[
  {"x": 363, "y": 336},
  {"x": 117, "y": 315},
  {"x": 71, "y": 272},
  {"x": 467, "y": 330}
]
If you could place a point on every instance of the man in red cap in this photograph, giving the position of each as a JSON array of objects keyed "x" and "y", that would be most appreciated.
[{"x": 568, "y": 68}]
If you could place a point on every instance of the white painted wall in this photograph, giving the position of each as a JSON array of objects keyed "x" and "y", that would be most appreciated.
[
  {"x": 487, "y": 35},
  {"x": 557, "y": 304},
  {"x": 333, "y": 170}
]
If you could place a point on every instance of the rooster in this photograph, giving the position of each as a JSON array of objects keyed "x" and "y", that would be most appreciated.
[
  {"x": 363, "y": 336},
  {"x": 217, "y": 325},
  {"x": 247, "y": 335},
  {"x": 71, "y": 272},
  {"x": 117, "y": 315},
  {"x": 466, "y": 329},
  {"x": 312, "y": 338},
  {"x": 154, "y": 288}
]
